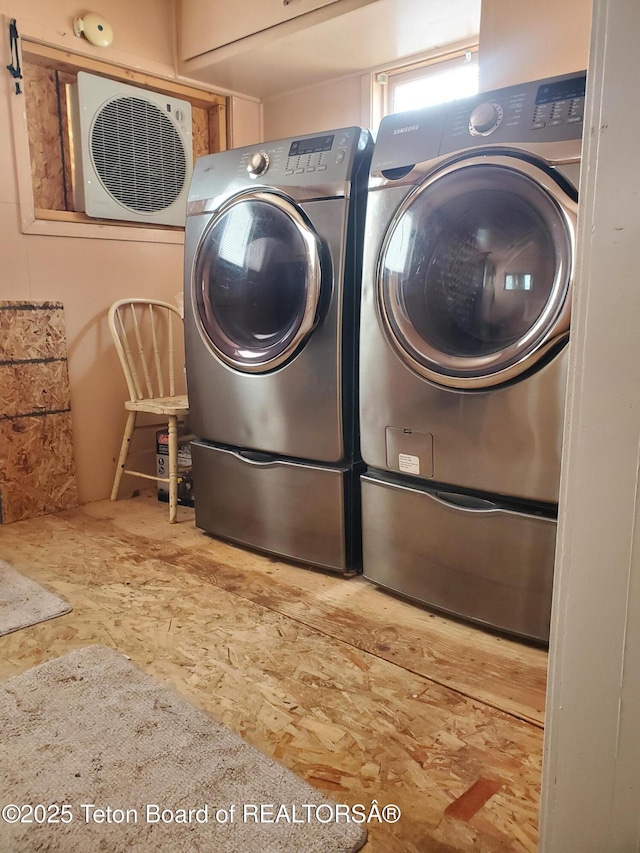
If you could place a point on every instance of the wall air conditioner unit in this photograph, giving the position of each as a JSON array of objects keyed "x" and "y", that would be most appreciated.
[{"x": 132, "y": 152}]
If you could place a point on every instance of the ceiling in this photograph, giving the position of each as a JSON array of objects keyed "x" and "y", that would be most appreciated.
[{"x": 380, "y": 34}]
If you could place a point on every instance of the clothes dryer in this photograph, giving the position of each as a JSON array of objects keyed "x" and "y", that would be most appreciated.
[
  {"x": 467, "y": 280},
  {"x": 273, "y": 251}
]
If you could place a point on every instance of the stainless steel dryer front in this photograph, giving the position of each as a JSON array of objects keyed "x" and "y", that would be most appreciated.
[
  {"x": 273, "y": 252},
  {"x": 467, "y": 280}
]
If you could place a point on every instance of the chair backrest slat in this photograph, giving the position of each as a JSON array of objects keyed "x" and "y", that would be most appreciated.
[
  {"x": 156, "y": 351},
  {"x": 172, "y": 377},
  {"x": 141, "y": 354},
  {"x": 135, "y": 332},
  {"x": 126, "y": 356}
]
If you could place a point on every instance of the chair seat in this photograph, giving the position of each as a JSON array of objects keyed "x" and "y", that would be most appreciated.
[{"x": 178, "y": 405}]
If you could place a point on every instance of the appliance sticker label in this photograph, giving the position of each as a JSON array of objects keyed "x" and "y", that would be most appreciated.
[{"x": 409, "y": 464}]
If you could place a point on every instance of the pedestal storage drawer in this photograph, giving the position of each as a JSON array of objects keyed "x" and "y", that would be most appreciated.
[
  {"x": 295, "y": 509},
  {"x": 467, "y": 556}
]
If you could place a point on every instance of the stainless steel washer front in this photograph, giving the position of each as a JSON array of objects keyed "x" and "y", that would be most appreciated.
[
  {"x": 273, "y": 253},
  {"x": 466, "y": 301}
]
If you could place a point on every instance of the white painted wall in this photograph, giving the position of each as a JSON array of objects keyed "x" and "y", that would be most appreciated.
[
  {"x": 522, "y": 40},
  {"x": 245, "y": 121},
  {"x": 519, "y": 41},
  {"x": 591, "y": 790},
  {"x": 85, "y": 274},
  {"x": 143, "y": 31},
  {"x": 319, "y": 108}
]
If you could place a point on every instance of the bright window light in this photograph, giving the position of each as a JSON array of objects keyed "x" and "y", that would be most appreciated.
[{"x": 436, "y": 88}]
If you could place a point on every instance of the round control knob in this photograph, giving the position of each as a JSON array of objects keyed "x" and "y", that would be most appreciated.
[
  {"x": 485, "y": 119},
  {"x": 258, "y": 163}
]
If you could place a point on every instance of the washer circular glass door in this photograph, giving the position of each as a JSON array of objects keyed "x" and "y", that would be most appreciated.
[
  {"x": 257, "y": 281},
  {"x": 475, "y": 272}
]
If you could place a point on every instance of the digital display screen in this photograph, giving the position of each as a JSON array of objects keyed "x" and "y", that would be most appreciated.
[
  {"x": 311, "y": 146},
  {"x": 564, "y": 90}
]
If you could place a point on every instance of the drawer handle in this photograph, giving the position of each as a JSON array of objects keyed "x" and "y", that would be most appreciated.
[
  {"x": 252, "y": 457},
  {"x": 465, "y": 502}
]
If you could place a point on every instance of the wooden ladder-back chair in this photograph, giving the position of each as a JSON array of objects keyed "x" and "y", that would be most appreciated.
[{"x": 144, "y": 332}]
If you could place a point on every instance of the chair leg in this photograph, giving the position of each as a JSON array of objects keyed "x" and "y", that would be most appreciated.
[
  {"x": 124, "y": 452},
  {"x": 173, "y": 469}
]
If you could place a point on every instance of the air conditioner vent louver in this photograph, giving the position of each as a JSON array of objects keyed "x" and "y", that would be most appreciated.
[
  {"x": 132, "y": 152},
  {"x": 138, "y": 154}
]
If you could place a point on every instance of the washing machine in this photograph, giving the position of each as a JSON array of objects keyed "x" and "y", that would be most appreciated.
[
  {"x": 468, "y": 265},
  {"x": 273, "y": 252}
]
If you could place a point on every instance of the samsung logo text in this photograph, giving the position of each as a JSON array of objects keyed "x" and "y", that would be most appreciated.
[{"x": 407, "y": 129}]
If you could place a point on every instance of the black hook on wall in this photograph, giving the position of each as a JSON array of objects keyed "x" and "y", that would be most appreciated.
[{"x": 14, "y": 69}]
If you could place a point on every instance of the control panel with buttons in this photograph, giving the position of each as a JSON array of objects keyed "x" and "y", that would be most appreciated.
[
  {"x": 555, "y": 113},
  {"x": 540, "y": 111},
  {"x": 543, "y": 111},
  {"x": 326, "y": 157},
  {"x": 307, "y": 167}
]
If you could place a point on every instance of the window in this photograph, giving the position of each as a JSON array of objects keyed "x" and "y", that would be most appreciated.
[{"x": 431, "y": 83}]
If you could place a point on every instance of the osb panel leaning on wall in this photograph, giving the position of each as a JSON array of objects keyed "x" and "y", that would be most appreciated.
[{"x": 36, "y": 455}]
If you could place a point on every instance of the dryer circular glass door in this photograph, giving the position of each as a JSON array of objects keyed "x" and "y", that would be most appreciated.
[
  {"x": 475, "y": 272},
  {"x": 257, "y": 281}
]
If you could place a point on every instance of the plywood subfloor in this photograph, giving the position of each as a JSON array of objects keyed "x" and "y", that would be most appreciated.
[{"x": 365, "y": 696}]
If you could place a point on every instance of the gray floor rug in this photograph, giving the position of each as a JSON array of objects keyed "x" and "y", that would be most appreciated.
[
  {"x": 23, "y": 602},
  {"x": 104, "y": 749}
]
